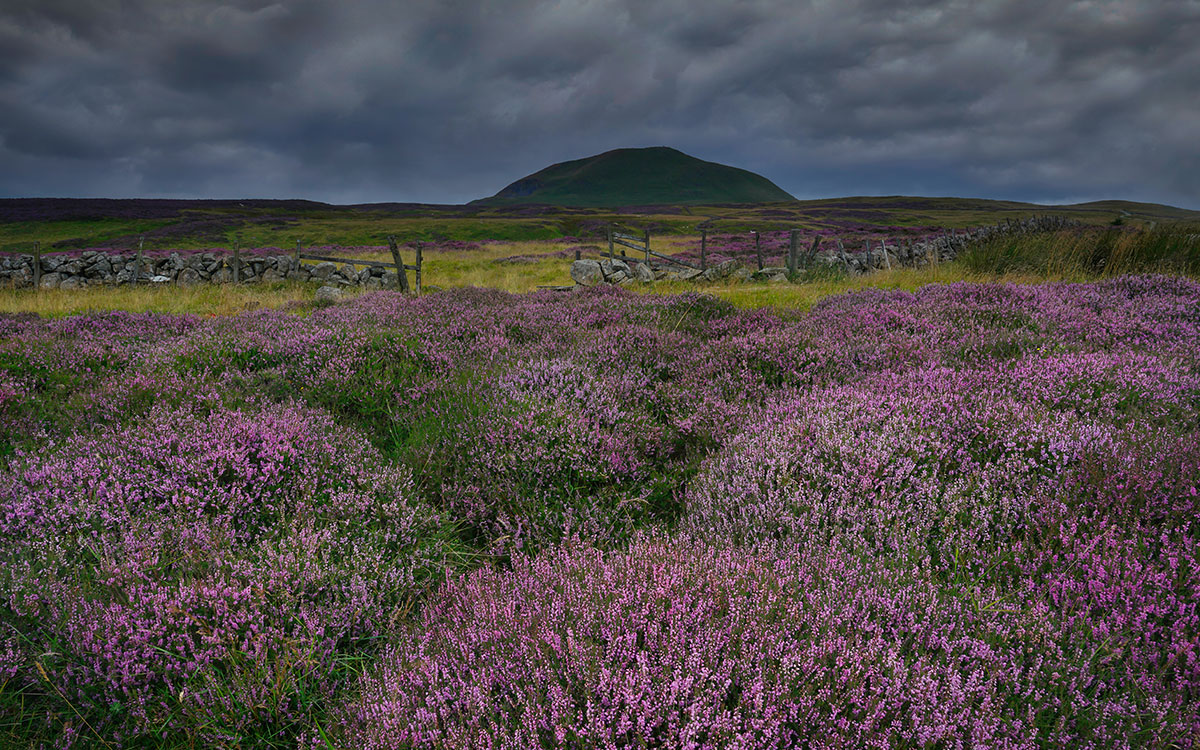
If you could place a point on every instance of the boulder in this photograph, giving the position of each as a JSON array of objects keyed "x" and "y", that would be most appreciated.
[
  {"x": 322, "y": 270},
  {"x": 51, "y": 280},
  {"x": 72, "y": 282},
  {"x": 722, "y": 270},
  {"x": 188, "y": 277},
  {"x": 615, "y": 267},
  {"x": 327, "y": 295},
  {"x": 683, "y": 274},
  {"x": 587, "y": 272},
  {"x": 643, "y": 272}
]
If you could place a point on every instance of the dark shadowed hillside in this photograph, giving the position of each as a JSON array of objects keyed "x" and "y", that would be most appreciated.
[{"x": 639, "y": 176}]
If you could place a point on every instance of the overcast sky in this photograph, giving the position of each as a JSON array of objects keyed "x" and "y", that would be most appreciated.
[{"x": 449, "y": 100}]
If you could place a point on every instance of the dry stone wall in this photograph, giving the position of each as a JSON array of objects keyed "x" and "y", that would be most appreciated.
[{"x": 101, "y": 268}]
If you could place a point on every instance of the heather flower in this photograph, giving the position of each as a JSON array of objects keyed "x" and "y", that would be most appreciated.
[{"x": 207, "y": 572}]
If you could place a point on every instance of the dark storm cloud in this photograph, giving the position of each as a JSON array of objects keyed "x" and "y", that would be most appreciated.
[{"x": 448, "y": 100}]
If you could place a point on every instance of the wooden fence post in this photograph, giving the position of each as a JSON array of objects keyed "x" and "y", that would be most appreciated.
[
  {"x": 578, "y": 254},
  {"x": 791, "y": 257},
  {"x": 758, "y": 250},
  {"x": 842, "y": 252},
  {"x": 237, "y": 261},
  {"x": 646, "y": 238},
  {"x": 420, "y": 262},
  {"x": 703, "y": 249},
  {"x": 812, "y": 252},
  {"x": 401, "y": 271},
  {"x": 886, "y": 260},
  {"x": 137, "y": 267},
  {"x": 297, "y": 255},
  {"x": 37, "y": 266},
  {"x": 610, "y": 241}
]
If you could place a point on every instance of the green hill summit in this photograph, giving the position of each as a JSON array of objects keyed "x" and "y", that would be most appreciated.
[{"x": 639, "y": 176}]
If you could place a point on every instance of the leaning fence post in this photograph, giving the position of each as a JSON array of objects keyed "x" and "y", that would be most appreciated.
[
  {"x": 420, "y": 262},
  {"x": 646, "y": 238},
  {"x": 137, "y": 267},
  {"x": 812, "y": 252},
  {"x": 703, "y": 249},
  {"x": 237, "y": 261},
  {"x": 845, "y": 259},
  {"x": 401, "y": 271},
  {"x": 886, "y": 260},
  {"x": 791, "y": 257},
  {"x": 758, "y": 250},
  {"x": 37, "y": 266}
]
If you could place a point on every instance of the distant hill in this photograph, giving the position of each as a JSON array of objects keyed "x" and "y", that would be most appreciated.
[{"x": 638, "y": 176}]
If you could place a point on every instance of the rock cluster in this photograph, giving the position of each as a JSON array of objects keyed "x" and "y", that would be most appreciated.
[
  {"x": 99, "y": 268},
  {"x": 623, "y": 271}
]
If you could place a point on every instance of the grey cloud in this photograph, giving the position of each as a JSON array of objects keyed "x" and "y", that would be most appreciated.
[{"x": 450, "y": 100}]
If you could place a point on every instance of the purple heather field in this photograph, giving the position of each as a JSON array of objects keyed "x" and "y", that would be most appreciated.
[{"x": 965, "y": 517}]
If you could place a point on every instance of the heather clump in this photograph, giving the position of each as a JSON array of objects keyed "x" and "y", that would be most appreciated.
[
  {"x": 210, "y": 575},
  {"x": 561, "y": 448},
  {"x": 683, "y": 643}
]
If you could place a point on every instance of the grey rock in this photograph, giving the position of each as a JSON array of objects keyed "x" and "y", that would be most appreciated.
[
  {"x": 615, "y": 267},
  {"x": 51, "y": 281},
  {"x": 722, "y": 270},
  {"x": 271, "y": 275},
  {"x": 373, "y": 283},
  {"x": 363, "y": 275},
  {"x": 348, "y": 272},
  {"x": 159, "y": 279},
  {"x": 390, "y": 280},
  {"x": 328, "y": 295},
  {"x": 51, "y": 262},
  {"x": 88, "y": 254},
  {"x": 72, "y": 282},
  {"x": 323, "y": 270},
  {"x": 683, "y": 274},
  {"x": 222, "y": 276},
  {"x": 587, "y": 273},
  {"x": 643, "y": 272},
  {"x": 301, "y": 274},
  {"x": 188, "y": 277}
]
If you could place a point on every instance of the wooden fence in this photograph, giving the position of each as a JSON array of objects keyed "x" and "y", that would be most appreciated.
[{"x": 402, "y": 268}]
